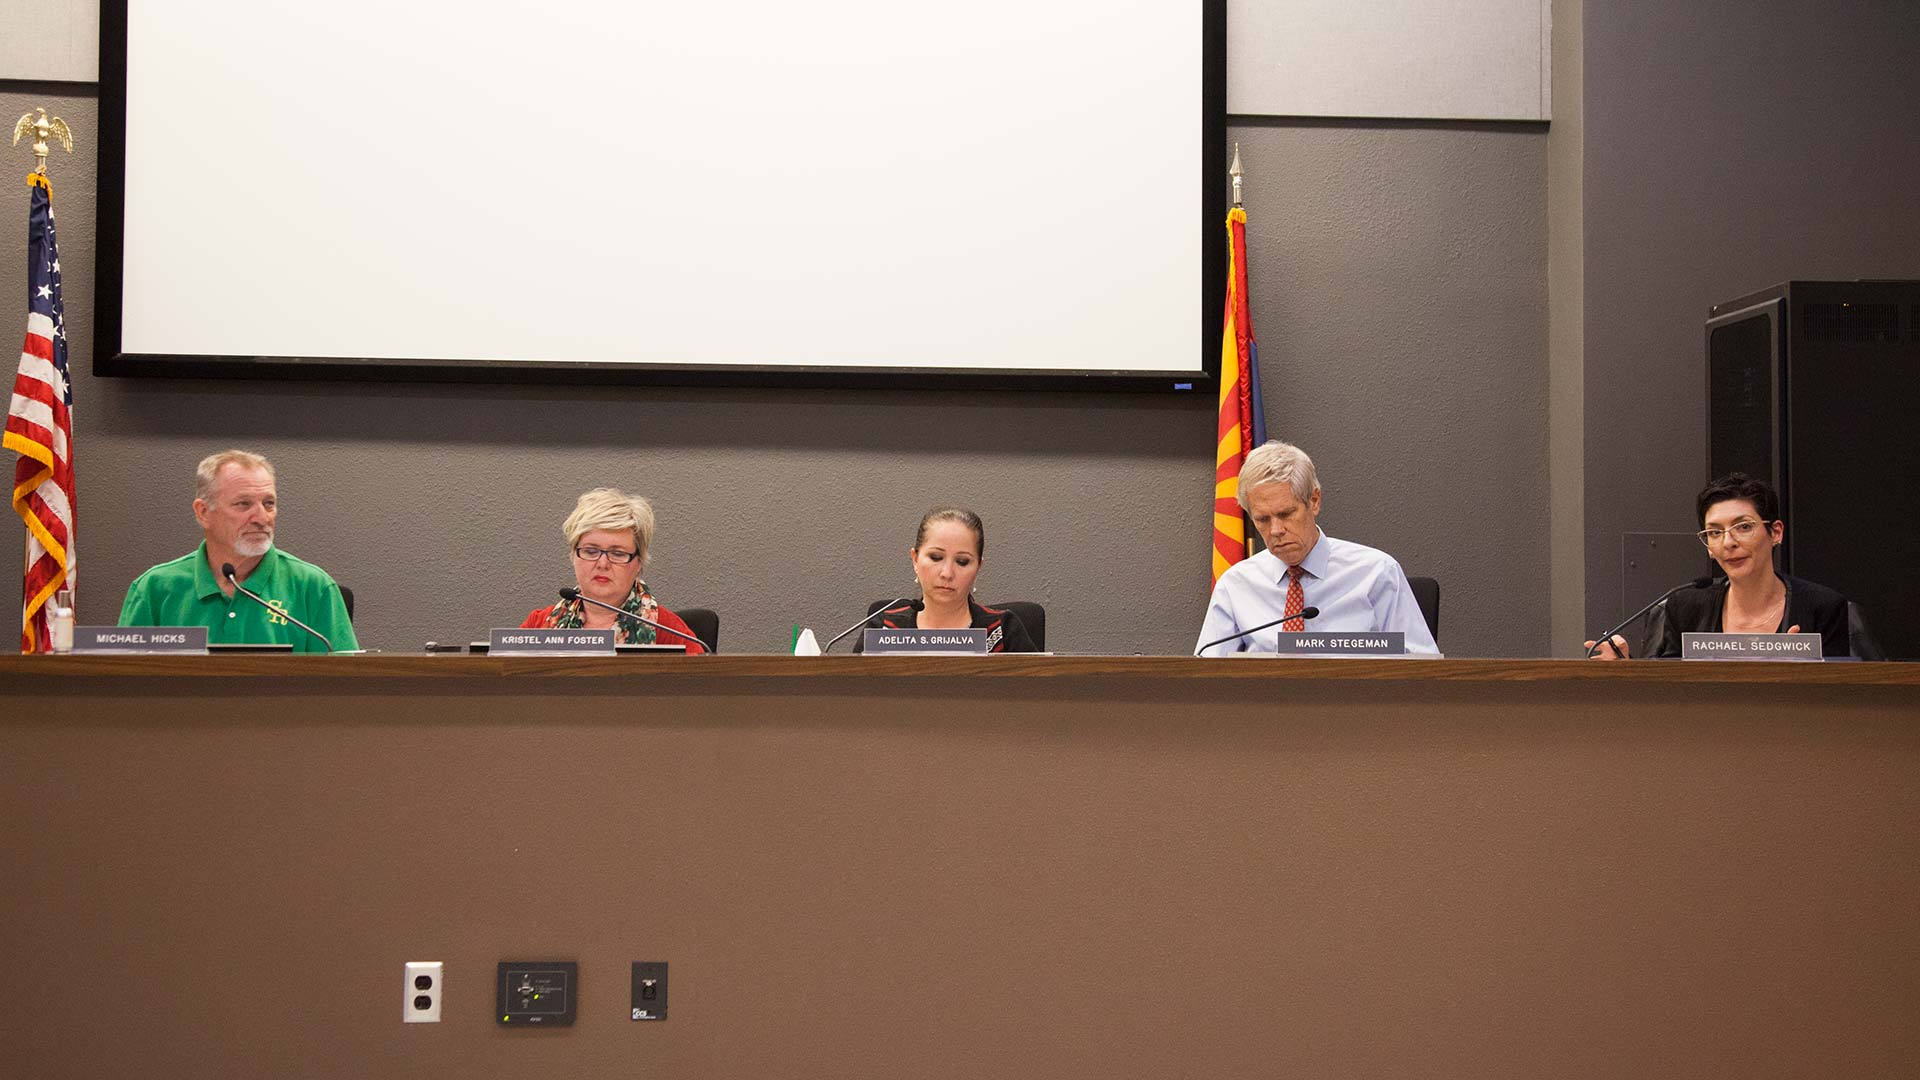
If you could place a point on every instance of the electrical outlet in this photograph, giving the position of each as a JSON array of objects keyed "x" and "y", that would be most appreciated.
[{"x": 421, "y": 1004}]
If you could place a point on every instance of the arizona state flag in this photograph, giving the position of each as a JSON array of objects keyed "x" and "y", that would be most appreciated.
[{"x": 1243, "y": 423}]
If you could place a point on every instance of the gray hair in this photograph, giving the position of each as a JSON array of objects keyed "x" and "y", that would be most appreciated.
[
  {"x": 614, "y": 511},
  {"x": 1275, "y": 462},
  {"x": 206, "y": 478}
]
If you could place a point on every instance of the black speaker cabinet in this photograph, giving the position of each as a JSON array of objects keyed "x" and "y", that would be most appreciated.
[{"x": 1813, "y": 385}]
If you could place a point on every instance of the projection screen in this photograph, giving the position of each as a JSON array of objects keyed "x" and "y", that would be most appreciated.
[{"x": 841, "y": 192}]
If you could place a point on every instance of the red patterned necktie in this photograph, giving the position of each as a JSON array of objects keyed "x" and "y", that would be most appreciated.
[{"x": 1296, "y": 602}]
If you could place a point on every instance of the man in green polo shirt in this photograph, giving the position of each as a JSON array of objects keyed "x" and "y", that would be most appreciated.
[{"x": 235, "y": 503}]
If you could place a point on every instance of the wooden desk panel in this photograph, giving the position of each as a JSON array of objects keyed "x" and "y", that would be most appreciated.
[{"x": 1011, "y": 866}]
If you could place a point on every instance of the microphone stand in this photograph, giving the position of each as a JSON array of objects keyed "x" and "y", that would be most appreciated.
[
  {"x": 226, "y": 571},
  {"x": 1607, "y": 638},
  {"x": 867, "y": 619},
  {"x": 571, "y": 593},
  {"x": 1304, "y": 614}
]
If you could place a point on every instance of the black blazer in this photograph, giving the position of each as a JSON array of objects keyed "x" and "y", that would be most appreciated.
[
  {"x": 1005, "y": 631},
  {"x": 1814, "y": 608}
]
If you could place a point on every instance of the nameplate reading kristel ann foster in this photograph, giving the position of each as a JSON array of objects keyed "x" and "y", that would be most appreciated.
[
  {"x": 139, "y": 639},
  {"x": 1803, "y": 647},
  {"x": 1383, "y": 643},
  {"x": 915, "y": 639},
  {"x": 544, "y": 642}
]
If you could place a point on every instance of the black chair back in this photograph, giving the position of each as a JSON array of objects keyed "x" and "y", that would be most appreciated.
[
  {"x": 704, "y": 622},
  {"x": 346, "y": 597},
  {"x": 1033, "y": 617},
  {"x": 1861, "y": 640},
  {"x": 1426, "y": 593}
]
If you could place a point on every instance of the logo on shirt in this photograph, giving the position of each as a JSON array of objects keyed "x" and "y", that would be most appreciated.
[
  {"x": 279, "y": 610},
  {"x": 994, "y": 637}
]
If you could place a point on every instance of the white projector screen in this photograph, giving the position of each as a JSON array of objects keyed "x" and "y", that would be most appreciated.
[{"x": 842, "y": 186}]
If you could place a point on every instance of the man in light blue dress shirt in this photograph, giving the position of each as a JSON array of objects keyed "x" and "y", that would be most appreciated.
[{"x": 1356, "y": 588}]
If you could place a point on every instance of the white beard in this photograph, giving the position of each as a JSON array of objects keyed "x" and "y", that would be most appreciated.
[{"x": 251, "y": 548}]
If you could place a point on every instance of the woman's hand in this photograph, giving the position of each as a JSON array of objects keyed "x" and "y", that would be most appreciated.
[{"x": 1614, "y": 649}]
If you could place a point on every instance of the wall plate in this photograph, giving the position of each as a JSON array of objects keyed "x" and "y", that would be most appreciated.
[
  {"x": 537, "y": 993},
  {"x": 421, "y": 1002},
  {"x": 649, "y": 989}
]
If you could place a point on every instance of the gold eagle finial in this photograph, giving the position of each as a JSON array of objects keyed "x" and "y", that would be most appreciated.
[{"x": 41, "y": 129}]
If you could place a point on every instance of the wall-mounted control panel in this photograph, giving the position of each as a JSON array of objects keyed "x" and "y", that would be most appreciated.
[
  {"x": 537, "y": 993},
  {"x": 649, "y": 989}
]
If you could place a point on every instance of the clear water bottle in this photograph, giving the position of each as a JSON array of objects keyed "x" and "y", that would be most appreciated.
[{"x": 60, "y": 621}]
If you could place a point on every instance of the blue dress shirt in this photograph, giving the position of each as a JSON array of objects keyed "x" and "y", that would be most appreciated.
[{"x": 1356, "y": 588}]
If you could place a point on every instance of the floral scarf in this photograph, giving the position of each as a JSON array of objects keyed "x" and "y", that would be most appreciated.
[{"x": 571, "y": 615}]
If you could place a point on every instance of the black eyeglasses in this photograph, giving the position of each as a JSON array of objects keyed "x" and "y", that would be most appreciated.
[{"x": 612, "y": 555}]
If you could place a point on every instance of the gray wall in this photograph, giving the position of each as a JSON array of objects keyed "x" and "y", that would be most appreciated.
[
  {"x": 1399, "y": 294},
  {"x": 1566, "y": 352},
  {"x": 50, "y": 39},
  {"x": 1399, "y": 288},
  {"x": 1729, "y": 146}
]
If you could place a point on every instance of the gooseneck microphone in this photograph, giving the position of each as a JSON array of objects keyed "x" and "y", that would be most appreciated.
[
  {"x": 1305, "y": 613},
  {"x": 572, "y": 593},
  {"x": 1607, "y": 638},
  {"x": 870, "y": 616},
  {"x": 226, "y": 571}
]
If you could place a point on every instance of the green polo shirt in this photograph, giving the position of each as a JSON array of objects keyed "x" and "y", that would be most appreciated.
[{"x": 184, "y": 592}]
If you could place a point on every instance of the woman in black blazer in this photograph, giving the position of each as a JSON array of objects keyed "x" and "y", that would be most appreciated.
[{"x": 1740, "y": 526}]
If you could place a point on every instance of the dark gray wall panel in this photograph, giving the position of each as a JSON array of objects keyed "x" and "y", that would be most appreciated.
[{"x": 1729, "y": 146}]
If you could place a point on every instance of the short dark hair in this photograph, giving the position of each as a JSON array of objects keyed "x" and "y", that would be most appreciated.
[
  {"x": 955, "y": 514},
  {"x": 1739, "y": 486}
]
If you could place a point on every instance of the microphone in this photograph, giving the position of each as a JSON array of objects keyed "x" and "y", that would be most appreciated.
[
  {"x": 1305, "y": 613},
  {"x": 572, "y": 593},
  {"x": 1607, "y": 638},
  {"x": 917, "y": 606},
  {"x": 226, "y": 571}
]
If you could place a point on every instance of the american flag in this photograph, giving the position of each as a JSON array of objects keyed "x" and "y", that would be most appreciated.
[{"x": 40, "y": 428}]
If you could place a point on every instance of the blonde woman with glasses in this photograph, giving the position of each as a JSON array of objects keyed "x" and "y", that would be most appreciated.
[{"x": 608, "y": 534}]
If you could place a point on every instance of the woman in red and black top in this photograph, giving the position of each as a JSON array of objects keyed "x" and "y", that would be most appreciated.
[
  {"x": 946, "y": 558},
  {"x": 609, "y": 532}
]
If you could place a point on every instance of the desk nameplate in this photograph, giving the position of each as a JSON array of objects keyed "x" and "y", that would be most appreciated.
[
  {"x": 920, "y": 640},
  {"x": 140, "y": 639},
  {"x": 549, "y": 642},
  {"x": 1802, "y": 648},
  {"x": 1383, "y": 643}
]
